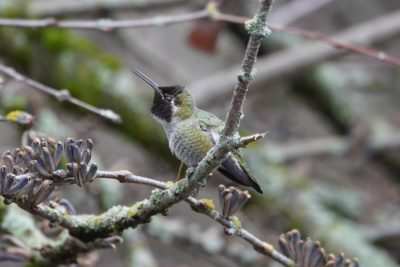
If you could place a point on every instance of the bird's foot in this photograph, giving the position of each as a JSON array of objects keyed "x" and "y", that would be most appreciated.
[{"x": 181, "y": 172}]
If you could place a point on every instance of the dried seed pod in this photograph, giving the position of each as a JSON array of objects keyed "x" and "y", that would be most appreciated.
[
  {"x": 83, "y": 171},
  {"x": 35, "y": 145},
  {"x": 7, "y": 160},
  {"x": 108, "y": 242},
  {"x": 75, "y": 173},
  {"x": 86, "y": 155},
  {"x": 19, "y": 157},
  {"x": 232, "y": 200},
  {"x": 16, "y": 170},
  {"x": 89, "y": 144},
  {"x": 92, "y": 173},
  {"x": 39, "y": 168},
  {"x": 68, "y": 141},
  {"x": 29, "y": 153},
  {"x": 31, "y": 190},
  {"x": 44, "y": 142},
  {"x": 340, "y": 261},
  {"x": 58, "y": 151},
  {"x": 6, "y": 183},
  {"x": 306, "y": 253},
  {"x": 73, "y": 153},
  {"x": 3, "y": 172},
  {"x": 19, "y": 184},
  {"x": 68, "y": 206},
  {"x": 48, "y": 159},
  {"x": 43, "y": 192}
]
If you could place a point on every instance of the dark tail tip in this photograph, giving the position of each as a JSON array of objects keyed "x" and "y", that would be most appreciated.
[{"x": 257, "y": 188}]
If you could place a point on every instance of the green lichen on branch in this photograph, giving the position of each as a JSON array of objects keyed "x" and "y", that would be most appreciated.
[
  {"x": 117, "y": 218},
  {"x": 257, "y": 26}
]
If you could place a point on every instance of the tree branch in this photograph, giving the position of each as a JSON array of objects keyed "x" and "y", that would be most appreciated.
[
  {"x": 62, "y": 7},
  {"x": 245, "y": 140},
  {"x": 198, "y": 206},
  {"x": 335, "y": 42},
  {"x": 60, "y": 95},
  {"x": 103, "y": 24},
  {"x": 258, "y": 30}
]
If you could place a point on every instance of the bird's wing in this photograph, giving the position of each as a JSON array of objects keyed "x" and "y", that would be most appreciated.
[
  {"x": 210, "y": 124},
  {"x": 233, "y": 167}
]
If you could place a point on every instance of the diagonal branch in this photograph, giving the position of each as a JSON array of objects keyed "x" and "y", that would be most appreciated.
[
  {"x": 60, "y": 95},
  {"x": 335, "y": 42}
]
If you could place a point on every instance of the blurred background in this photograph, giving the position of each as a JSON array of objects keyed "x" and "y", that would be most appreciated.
[{"x": 329, "y": 166}]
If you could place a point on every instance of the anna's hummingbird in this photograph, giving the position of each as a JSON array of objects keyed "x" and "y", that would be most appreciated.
[{"x": 192, "y": 132}]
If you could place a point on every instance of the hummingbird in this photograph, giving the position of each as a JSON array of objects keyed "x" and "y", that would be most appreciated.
[{"x": 192, "y": 132}]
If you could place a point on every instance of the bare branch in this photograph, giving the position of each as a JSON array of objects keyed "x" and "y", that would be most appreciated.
[
  {"x": 128, "y": 177},
  {"x": 62, "y": 7},
  {"x": 244, "y": 141},
  {"x": 103, "y": 24},
  {"x": 335, "y": 42},
  {"x": 258, "y": 30},
  {"x": 60, "y": 95}
]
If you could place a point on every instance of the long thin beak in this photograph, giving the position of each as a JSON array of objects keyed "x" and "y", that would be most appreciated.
[{"x": 149, "y": 81}]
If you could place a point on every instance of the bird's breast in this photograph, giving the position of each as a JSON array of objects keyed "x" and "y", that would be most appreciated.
[{"x": 189, "y": 143}]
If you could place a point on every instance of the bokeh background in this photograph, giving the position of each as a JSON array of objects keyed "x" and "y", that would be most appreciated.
[{"x": 329, "y": 166}]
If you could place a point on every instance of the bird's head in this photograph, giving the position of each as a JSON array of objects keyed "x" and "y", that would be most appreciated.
[{"x": 169, "y": 101}]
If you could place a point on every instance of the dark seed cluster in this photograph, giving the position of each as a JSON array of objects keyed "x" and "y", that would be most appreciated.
[
  {"x": 231, "y": 200},
  {"x": 31, "y": 173},
  {"x": 309, "y": 253},
  {"x": 79, "y": 153}
]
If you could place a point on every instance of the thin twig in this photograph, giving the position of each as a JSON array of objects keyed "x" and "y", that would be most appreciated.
[
  {"x": 63, "y": 7},
  {"x": 104, "y": 24},
  {"x": 245, "y": 140},
  {"x": 369, "y": 52},
  {"x": 60, "y": 95}
]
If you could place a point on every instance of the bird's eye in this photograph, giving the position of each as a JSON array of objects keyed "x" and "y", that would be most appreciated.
[{"x": 168, "y": 98}]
